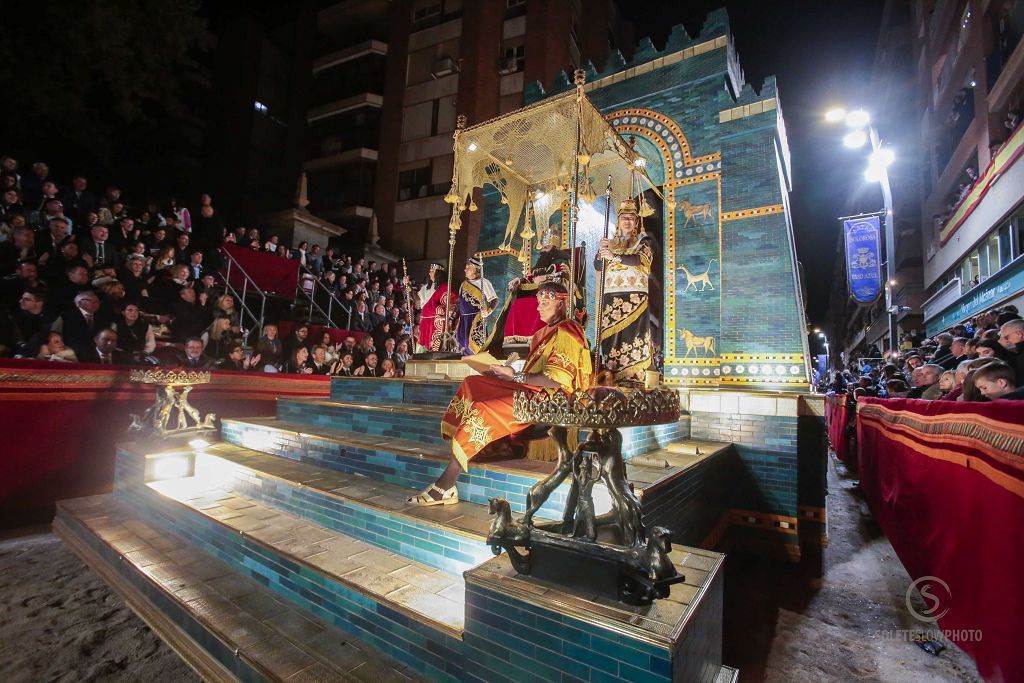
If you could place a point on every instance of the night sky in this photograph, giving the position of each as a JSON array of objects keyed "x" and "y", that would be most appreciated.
[{"x": 821, "y": 53}]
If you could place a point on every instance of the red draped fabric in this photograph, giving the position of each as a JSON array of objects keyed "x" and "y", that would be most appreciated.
[
  {"x": 838, "y": 419},
  {"x": 945, "y": 480},
  {"x": 523, "y": 318},
  {"x": 62, "y": 421},
  {"x": 270, "y": 272}
]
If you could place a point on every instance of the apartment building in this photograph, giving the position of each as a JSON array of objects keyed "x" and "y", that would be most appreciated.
[
  {"x": 969, "y": 66},
  {"x": 390, "y": 80},
  {"x": 947, "y": 91}
]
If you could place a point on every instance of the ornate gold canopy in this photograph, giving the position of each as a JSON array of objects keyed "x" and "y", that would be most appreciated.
[{"x": 530, "y": 155}]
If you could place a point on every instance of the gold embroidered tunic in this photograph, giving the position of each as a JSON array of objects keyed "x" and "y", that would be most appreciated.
[
  {"x": 481, "y": 411},
  {"x": 625, "y": 317}
]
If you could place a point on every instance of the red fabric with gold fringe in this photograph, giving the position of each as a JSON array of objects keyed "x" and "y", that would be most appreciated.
[{"x": 945, "y": 480}]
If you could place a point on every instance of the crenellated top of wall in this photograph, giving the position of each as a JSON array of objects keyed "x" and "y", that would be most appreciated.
[{"x": 716, "y": 25}]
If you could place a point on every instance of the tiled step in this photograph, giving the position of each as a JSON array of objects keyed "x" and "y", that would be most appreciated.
[
  {"x": 226, "y": 625},
  {"x": 402, "y": 462},
  {"x": 435, "y": 393},
  {"x": 405, "y": 609},
  {"x": 449, "y": 537},
  {"x": 420, "y": 423},
  {"x": 415, "y": 465}
]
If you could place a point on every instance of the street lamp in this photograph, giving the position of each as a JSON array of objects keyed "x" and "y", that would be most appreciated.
[{"x": 859, "y": 121}]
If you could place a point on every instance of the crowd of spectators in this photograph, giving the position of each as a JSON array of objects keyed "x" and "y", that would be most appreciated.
[
  {"x": 982, "y": 360},
  {"x": 97, "y": 278}
]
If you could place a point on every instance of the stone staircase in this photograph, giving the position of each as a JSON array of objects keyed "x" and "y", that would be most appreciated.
[{"x": 287, "y": 551}]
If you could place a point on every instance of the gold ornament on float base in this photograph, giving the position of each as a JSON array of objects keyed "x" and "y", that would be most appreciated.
[{"x": 156, "y": 419}]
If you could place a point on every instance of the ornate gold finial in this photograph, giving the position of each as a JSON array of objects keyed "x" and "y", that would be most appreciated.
[
  {"x": 460, "y": 122},
  {"x": 156, "y": 420},
  {"x": 579, "y": 77}
]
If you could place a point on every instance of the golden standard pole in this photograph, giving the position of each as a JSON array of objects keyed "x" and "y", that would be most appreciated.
[
  {"x": 600, "y": 279},
  {"x": 448, "y": 342},
  {"x": 580, "y": 78}
]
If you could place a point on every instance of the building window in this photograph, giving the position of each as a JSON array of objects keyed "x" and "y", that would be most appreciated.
[
  {"x": 514, "y": 57},
  {"x": 425, "y": 16},
  {"x": 414, "y": 183}
]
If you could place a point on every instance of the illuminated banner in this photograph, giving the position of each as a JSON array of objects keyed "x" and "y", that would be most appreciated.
[{"x": 863, "y": 258}]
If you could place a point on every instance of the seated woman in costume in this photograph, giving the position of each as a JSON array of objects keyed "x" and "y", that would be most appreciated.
[
  {"x": 481, "y": 412},
  {"x": 476, "y": 301},
  {"x": 625, "y": 263},
  {"x": 519, "y": 319}
]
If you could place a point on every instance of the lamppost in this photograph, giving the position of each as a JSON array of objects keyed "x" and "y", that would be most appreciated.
[{"x": 862, "y": 132}]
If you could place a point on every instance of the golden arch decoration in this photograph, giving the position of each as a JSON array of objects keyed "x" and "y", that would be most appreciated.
[{"x": 676, "y": 156}]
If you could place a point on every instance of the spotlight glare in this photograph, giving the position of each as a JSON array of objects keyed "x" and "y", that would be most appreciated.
[
  {"x": 882, "y": 157},
  {"x": 873, "y": 174},
  {"x": 835, "y": 115},
  {"x": 855, "y": 139},
  {"x": 858, "y": 118}
]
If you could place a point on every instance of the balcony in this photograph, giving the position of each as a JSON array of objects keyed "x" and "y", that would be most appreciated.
[
  {"x": 348, "y": 78},
  {"x": 348, "y": 54},
  {"x": 957, "y": 122},
  {"x": 352, "y": 156},
  {"x": 342, "y": 106}
]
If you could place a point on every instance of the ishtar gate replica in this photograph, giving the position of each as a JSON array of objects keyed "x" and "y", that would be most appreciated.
[{"x": 308, "y": 546}]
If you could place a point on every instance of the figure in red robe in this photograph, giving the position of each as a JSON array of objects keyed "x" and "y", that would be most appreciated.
[{"x": 481, "y": 411}]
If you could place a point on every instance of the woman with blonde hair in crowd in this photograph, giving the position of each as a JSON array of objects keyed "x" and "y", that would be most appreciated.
[
  {"x": 225, "y": 308},
  {"x": 947, "y": 384},
  {"x": 388, "y": 369},
  {"x": 218, "y": 338}
]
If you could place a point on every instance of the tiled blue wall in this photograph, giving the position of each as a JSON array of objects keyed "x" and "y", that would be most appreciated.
[
  {"x": 510, "y": 640},
  {"x": 767, "y": 446}
]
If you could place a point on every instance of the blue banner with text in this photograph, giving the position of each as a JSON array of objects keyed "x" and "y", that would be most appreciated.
[{"x": 863, "y": 258}]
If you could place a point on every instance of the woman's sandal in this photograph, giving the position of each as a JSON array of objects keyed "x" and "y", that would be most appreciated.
[{"x": 424, "y": 499}]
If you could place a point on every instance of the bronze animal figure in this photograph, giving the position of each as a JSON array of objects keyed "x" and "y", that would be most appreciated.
[
  {"x": 502, "y": 526},
  {"x": 653, "y": 560}
]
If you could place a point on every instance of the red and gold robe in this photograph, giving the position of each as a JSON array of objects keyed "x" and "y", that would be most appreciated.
[{"x": 481, "y": 412}]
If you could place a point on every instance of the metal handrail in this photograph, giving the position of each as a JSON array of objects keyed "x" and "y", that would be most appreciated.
[
  {"x": 232, "y": 262},
  {"x": 331, "y": 300}
]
